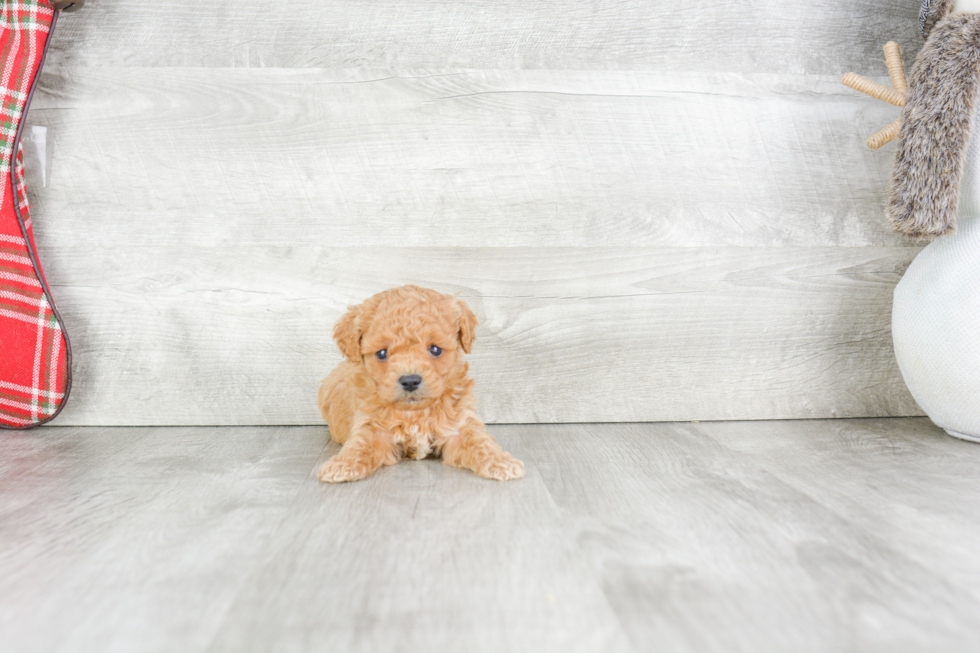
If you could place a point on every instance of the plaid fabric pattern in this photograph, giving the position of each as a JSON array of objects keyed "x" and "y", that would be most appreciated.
[{"x": 33, "y": 348}]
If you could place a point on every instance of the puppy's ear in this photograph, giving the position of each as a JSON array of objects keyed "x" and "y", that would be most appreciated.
[
  {"x": 348, "y": 332},
  {"x": 466, "y": 322}
]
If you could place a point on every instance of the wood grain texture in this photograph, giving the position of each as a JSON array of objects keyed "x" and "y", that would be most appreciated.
[
  {"x": 494, "y": 571},
  {"x": 822, "y": 37},
  {"x": 824, "y": 535},
  {"x": 659, "y": 213},
  {"x": 906, "y": 473},
  {"x": 491, "y": 158},
  {"x": 137, "y": 539},
  {"x": 201, "y": 335},
  {"x": 125, "y": 539},
  {"x": 802, "y": 536}
]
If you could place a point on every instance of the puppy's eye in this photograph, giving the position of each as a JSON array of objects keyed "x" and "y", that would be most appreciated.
[
  {"x": 382, "y": 355},
  {"x": 435, "y": 351}
]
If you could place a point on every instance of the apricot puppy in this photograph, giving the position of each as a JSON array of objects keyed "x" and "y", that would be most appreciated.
[{"x": 403, "y": 390}]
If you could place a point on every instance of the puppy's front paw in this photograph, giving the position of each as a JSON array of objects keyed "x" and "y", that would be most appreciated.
[
  {"x": 338, "y": 470},
  {"x": 502, "y": 467}
]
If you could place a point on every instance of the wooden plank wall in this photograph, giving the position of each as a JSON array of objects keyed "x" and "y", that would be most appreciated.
[{"x": 657, "y": 211}]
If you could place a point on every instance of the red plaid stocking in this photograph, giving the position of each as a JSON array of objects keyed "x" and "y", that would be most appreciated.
[{"x": 34, "y": 353}]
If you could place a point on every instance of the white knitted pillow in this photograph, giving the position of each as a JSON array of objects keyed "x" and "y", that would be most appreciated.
[{"x": 936, "y": 316}]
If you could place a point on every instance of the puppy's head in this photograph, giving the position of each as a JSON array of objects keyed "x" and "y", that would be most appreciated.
[{"x": 409, "y": 341}]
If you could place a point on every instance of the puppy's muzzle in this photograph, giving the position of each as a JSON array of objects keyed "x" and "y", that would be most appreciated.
[{"x": 410, "y": 382}]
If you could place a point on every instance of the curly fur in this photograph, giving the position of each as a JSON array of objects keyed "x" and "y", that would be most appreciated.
[
  {"x": 936, "y": 125},
  {"x": 377, "y": 419}
]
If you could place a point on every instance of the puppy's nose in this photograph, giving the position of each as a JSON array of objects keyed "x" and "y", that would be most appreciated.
[{"x": 410, "y": 382}]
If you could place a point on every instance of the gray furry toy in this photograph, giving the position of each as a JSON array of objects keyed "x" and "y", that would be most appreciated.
[{"x": 937, "y": 121}]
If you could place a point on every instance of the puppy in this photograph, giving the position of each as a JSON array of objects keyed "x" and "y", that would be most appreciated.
[{"x": 403, "y": 391}]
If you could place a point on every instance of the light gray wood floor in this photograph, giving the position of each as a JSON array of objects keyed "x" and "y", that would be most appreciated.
[{"x": 846, "y": 535}]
